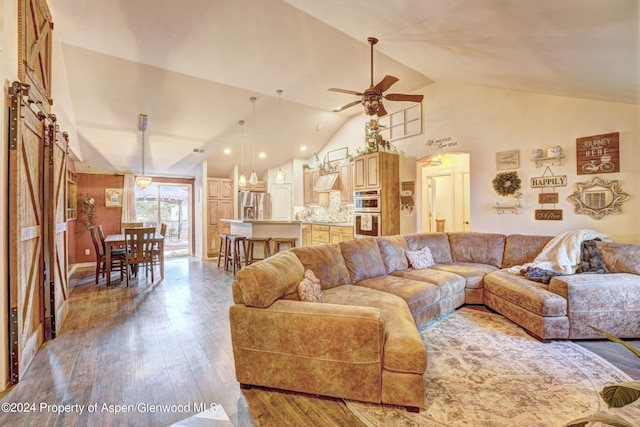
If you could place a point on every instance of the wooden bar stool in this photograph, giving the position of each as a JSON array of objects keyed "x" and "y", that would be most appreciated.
[
  {"x": 222, "y": 248},
  {"x": 266, "y": 247},
  {"x": 279, "y": 241},
  {"x": 233, "y": 257}
]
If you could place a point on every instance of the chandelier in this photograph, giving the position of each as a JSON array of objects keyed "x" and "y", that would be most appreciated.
[{"x": 143, "y": 181}]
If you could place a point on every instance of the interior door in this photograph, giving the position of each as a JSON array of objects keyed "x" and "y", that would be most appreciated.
[
  {"x": 440, "y": 203},
  {"x": 26, "y": 213},
  {"x": 57, "y": 259}
]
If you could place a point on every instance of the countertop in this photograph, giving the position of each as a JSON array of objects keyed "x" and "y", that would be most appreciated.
[
  {"x": 335, "y": 224},
  {"x": 260, "y": 221}
]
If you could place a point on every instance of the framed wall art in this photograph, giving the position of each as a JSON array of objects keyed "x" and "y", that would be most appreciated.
[
  {"x": 113, "y": 197},
  {"x": 507, "y": 160}
]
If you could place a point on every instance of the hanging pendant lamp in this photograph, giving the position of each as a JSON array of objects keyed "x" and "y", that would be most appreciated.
[
  {"x": 143, "y": 182},
  {"x": 280, "y": 177},
  {"x": 242, "y": 181},
  {"x": 253, "y": 179}
]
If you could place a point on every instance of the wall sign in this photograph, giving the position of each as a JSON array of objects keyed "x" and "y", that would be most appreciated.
[
  {"x": 549, "y": 181},
  {"x": 548, "y": 198},
  {"x": 548, "y": 214},
  {"x": 598, "y": 154}
]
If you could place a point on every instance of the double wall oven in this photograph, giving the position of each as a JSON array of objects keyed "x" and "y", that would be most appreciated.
[{"x": 367, "y": 213}]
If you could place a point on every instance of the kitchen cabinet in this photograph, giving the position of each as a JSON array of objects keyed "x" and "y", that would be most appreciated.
[
  {"x": 346, "y": 183},
  {"x": 310, "y": 178},
  {"x": 374, "y": 170},
  {"x": 320, "y": 234},
  {"x": 219, "y": 205},
  {"x": 306, "y": 234},
  {"x": 340, "y": 233}
]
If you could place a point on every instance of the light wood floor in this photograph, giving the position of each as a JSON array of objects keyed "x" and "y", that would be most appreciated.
[{"x": 164, "y": 343}]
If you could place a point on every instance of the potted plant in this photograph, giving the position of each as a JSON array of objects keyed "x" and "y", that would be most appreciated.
[{"x": 615, "y": 396}]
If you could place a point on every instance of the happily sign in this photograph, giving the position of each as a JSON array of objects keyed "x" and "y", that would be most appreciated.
[{"x": 549, "y": 181}]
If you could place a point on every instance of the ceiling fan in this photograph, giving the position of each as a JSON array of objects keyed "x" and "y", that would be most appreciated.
[{"x": 372, "y": 97}]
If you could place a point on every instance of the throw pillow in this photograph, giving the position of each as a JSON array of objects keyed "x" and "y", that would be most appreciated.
[
  {"x": 422, "y": 258},
  {"x": 309, "y": 288}
]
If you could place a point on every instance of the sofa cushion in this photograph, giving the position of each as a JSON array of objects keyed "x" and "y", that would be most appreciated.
[
  {"x": 484, "y": 248},
  {"x": 448, "y": 283},
  {"x": 404, "y": 350},
  {"x": 326, "y": 262},
  {"x": 532, "y": 296},
  {"x": 392, "y": 249},
  {"x": 438, "y": 243},
  {"x": 472, "y": 272},
  {"x": 620, "y": 257},
  {"x": 266, "y": 281},
  {"x": 422, "y": 258},
  {"x": 362, "y": 258},
  {"x": 416, "y": 294},
  {"x": 520, "y": 249},
  {"x": 309, "y": 288}
]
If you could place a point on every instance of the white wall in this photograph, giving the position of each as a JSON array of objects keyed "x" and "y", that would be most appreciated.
[{"x": 483, "y": 121}]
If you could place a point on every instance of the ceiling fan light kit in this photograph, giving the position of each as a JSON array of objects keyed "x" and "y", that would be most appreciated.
[
  {"x": 143, "y": 182},
  {"x": 373, "y": 96}
]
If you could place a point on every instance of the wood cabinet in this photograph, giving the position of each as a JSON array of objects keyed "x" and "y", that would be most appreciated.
[
  {"x": 340, "y": 233},
  {"x": 310, "y": 178},
  {"x": 306, "y": 234},
  {"x": 320, "y": 234},
  {"x": 346, "y": 183},
  {"x": 370, "y": 168},
  {"x": 219, "y": 205}
]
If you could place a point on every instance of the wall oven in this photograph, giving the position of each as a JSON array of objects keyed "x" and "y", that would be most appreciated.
[
  {"x": 367, "y": 201},
  {"x": 367, "y": 213}
]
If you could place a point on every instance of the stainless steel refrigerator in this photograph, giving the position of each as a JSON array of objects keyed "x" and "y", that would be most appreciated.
[{"x": 254, "y": 205}]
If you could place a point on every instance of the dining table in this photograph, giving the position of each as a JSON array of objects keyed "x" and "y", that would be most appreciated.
[{"x": 117, "y": 240}]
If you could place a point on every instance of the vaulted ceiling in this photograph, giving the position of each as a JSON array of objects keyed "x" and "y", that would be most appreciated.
[{"x": 192, "y": 66}]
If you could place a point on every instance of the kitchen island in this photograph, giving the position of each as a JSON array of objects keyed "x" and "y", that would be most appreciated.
[{"x": 265, "y": 228}]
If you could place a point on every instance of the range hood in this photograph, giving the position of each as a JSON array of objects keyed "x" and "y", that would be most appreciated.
[{"x": 326, "y": 183}]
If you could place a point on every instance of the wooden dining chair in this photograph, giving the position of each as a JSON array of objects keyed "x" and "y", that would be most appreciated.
[
  {"x": 125, "y": 225},
  {"x": 118, "y": 258},
  {"x": 156, "y": 247},
  {"x": 139, "y": 244}
]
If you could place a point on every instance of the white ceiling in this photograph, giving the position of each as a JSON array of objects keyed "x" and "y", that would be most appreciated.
[{"x": 192, "y": 66}]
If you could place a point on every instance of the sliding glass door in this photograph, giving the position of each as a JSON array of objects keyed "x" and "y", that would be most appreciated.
[{"x": 163, "y": 203}]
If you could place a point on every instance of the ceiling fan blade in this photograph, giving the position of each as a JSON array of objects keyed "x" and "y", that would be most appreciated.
[
  {"x": 386, "y": 83},
  {"x": 401, "y": 97},
  {"x": 381, "y": 111},
  {"x": 350, "y": 92},
  {"x": 344, "y": 107}
]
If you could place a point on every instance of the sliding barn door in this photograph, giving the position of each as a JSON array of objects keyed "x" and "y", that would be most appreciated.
[
  {"x": 26, "y": 220},
  {"x": 56, "y": 261}
]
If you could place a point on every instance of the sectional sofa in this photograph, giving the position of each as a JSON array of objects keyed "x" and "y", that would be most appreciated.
[{"x": 362, "y": 342}]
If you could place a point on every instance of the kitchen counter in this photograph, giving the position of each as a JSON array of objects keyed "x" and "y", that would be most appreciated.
[
  {"x": 265, "y": 228},
  {"x": 260, "y": 221},
  {"x": 335, "y": 224}
]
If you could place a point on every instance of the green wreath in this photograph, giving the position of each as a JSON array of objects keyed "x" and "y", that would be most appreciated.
[{"x": 506, "y": 183}]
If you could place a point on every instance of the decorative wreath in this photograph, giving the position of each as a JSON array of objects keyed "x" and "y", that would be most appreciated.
[{"x": 506, "y": 183}]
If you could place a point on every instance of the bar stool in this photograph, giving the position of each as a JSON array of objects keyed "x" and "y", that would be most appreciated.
[
  {"x": 232, "y": 248},
  {"x": 279, "y": 241},
  {"x": 222, "y": 248},
  {"x": 266, "y": 247}
]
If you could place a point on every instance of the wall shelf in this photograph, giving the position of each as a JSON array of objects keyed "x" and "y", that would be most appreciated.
[
  {"x": 500, "y": 210},
  {"x": 553, "y": 161}
]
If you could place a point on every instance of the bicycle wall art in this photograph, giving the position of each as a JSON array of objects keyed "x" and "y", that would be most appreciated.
[{"x": 598, "y": 154}]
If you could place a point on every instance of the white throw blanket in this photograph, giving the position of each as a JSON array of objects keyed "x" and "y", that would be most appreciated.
[{"x": 562, "y": 253}]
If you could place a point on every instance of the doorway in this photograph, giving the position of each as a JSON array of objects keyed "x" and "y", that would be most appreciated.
[
  {"x": 166, "y": 203},
  {"x": 445, "y": 193}
]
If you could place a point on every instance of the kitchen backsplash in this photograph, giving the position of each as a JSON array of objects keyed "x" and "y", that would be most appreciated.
[{"x": 335, "y": 212}]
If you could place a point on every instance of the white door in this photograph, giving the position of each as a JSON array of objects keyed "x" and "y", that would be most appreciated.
[
  {"x": 466, "y": 199},
  {"x": 440, "y": 203},
  {"x": 281, "y": 202}
]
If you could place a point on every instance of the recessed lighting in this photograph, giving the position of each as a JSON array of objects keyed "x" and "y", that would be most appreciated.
[
  {"x": 262, "y": 155},
  {"x": 319, "y": 126},
  {"x": 227, "y": 151},
  {"x": 303, "y": 148}
]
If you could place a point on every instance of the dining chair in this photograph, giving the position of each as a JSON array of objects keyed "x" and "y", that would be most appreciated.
[
  {"x": 125, "y": 225},
  {"x": 118, "y": 258},
  {"x": 156, "y": 246},
  {"x": 139, "y": 244}
]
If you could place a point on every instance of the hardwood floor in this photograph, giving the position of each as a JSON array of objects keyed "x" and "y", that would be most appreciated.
[{"x": 166, "y": 343}]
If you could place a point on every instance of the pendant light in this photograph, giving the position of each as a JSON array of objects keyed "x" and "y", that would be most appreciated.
[
  {"x": 280, "y": 177},
  {"x": 253, "y": 179},
  {"x": 90, "y": 200},
  {"x": 242, "y": 181},
  {"x": 143, "y": 181}
]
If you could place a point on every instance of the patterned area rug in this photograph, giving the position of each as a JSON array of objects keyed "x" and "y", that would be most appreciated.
[{"x": 484, "y": 370}]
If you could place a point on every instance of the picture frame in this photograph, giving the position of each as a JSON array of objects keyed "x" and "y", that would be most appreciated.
[
  {"x": 339, "y": 154},
  {"x": 113, "y": 197},
  {"x": 508, "y": 160}
]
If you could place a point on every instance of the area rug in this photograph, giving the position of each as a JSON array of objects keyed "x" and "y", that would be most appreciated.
[{"x": 484, "y": 370}]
